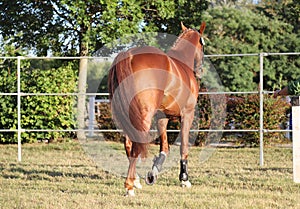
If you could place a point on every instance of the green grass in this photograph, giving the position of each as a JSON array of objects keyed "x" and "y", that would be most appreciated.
[{"x": 62, "y": 175}]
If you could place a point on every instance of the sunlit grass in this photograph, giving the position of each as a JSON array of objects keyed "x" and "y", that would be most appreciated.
[{"x": 62, "y": 175}]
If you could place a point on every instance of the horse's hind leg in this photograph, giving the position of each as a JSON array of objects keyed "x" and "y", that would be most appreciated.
[
  {"x": 141, "y": 118},
  {"x": 130, "y": 181},
  {"x": 164, "y": 150},
  {"x": 127, "y": 145},
  {"x": 128, "y": 148}
]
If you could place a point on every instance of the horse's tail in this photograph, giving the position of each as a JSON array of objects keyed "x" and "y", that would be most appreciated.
[{"x": 124, "y": 105}]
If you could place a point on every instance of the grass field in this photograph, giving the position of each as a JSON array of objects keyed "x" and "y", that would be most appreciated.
[{"x": 62, "y": 175}]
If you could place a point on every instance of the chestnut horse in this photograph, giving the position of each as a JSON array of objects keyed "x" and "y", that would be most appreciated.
[{"x": 145, "y": 82}]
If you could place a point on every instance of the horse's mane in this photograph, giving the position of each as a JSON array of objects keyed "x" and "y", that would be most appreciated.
[{"x": 181, "y": 36}]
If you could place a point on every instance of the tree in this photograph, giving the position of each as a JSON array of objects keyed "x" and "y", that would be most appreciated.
[
  {"x": 189, "y": 12},
  {"x": 285, "y": 10},
  {"x": 64, "y": 27},
  {"x": 231, "y": 31},
  {"x": 67, "y": 27}
]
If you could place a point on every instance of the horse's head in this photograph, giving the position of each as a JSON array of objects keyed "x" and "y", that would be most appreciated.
[{"x": 199, "y": 52}]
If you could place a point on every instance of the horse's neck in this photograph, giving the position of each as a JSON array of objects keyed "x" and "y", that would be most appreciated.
[
  {"x": 184, "y": 52},
  {"x": 184, "y": 56}
]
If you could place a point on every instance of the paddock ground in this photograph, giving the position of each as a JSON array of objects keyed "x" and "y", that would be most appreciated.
[{"x": 62, "y": 175}]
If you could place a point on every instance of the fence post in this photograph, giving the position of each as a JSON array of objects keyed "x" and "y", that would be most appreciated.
[
  {"x": 294, "y": 102},
  {"x": 91, "y": 115},
  {"x": 261, "y": 108},
  {"x": 19, "y": 107},
  {"x": 296, "y": 143}
]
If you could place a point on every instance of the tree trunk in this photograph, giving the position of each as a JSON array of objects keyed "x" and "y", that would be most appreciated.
[{"x": 81, "y": 105}]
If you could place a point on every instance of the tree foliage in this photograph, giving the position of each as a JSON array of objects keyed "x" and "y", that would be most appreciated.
[
  {"x": 242, "y": 31},
  {"x": 65, "y": 27},
  {"x": 71, "y": 27},
  {"x": 285, "y": 10},
  {"x": 29, "y": 23},
  {"x": 189, "y": 12}
]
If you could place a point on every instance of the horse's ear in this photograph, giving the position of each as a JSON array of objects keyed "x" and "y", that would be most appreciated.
[
  {"x": 183, "y": 28},
  {"x": 202, "y": 28}
]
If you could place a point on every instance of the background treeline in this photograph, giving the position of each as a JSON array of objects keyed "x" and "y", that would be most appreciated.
[{"x": 81, "y": 28}]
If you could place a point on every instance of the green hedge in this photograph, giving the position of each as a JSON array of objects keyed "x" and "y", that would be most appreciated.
[
  {"x": 243, "y": 110},
  {"x": 38, "y": 112}
]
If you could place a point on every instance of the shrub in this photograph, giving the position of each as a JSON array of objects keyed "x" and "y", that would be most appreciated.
[
  {"x": 243, "y": 110},
  {"x": 105, "y": 121},
  {"x": 245, "y": 114},
  {"x": 203, "y": 117},
  {"x": 38, "y": 112}
]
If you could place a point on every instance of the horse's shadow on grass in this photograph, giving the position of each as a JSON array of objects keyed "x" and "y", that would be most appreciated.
[
  {"x": 273, "y": 169},
  {"x": 15, "y": 171}
]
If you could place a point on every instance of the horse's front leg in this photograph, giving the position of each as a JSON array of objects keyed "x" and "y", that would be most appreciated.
[
  {"x": 186, "y": 123},
  {"x": 164, "y": 150}
]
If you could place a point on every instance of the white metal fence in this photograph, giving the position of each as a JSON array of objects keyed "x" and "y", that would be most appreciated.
[{"x": 19, "y": 94}]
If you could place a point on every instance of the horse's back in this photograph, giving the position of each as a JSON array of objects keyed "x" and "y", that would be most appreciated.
[
  {"x": 161, "y": 82},
  {"x": 144, "y": 58}
]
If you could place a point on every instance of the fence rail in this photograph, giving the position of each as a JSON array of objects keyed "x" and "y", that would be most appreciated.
[{"x": 20, "y": 94}]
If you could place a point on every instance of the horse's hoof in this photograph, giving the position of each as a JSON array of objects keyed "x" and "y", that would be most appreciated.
[
  {"x": 150, "y": 178},
  {"x": 129, "y": 193},
  {"x": 186, "y": 184},
  {"x": 137, "y": 184}
]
